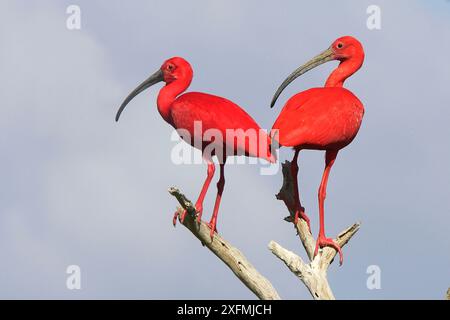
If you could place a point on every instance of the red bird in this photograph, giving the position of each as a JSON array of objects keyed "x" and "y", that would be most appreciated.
[
  {"x": 184, "y": 111},
  {"x": 325, "y": 118}
]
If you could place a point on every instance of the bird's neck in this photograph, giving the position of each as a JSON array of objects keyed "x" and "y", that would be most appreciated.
[
  {"x": 167, "y": 96},
  {"x": 345, "y": 69}
]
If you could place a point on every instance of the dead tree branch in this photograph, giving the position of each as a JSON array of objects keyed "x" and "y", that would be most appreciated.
[
  {"x": 230, "y": 255},
  {"x": 314, "y": 273}
]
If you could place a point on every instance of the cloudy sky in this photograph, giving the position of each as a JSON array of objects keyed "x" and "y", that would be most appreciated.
[{"x": 79, "y": 189}]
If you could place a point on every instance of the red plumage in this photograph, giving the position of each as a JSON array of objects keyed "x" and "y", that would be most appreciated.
[
  {"x": 320, "y": 119},
  {"x": 326, "y": 118},
  {"x": 216, "y": 118},
  {"x": 220, "y": 114}
]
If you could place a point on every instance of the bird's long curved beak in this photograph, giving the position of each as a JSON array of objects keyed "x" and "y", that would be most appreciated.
[
  {"x": 325, "y": 56},
  {"x": 158, "y": 76}
]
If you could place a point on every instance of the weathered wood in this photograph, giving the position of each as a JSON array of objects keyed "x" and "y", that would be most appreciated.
[
  {"x": 314, "y": 273},
  {"x": 229, "y": 254}
]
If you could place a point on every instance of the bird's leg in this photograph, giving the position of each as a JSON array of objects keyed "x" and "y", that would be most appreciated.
[
  {"x": 201, "y": 197},
  {"x": 220, "y": 185},
  {"x": 299, "y": 210},
  {"x": 322, "y": 240}
]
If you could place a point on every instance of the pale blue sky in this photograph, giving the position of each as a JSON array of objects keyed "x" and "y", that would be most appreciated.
[{"x": 77, "y": 188}]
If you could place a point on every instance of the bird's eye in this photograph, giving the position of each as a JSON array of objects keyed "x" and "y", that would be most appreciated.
[
  {"x": 170, "y": 67},
  {"x": 340, "y": 45}
]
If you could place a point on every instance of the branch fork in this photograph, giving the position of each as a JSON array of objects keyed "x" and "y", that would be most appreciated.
[{"x": 312, "y": 274}]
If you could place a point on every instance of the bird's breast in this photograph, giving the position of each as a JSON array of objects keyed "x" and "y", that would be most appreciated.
[
  {"x": 346, "y": 123},
  {"x": 319, "y": 118}
]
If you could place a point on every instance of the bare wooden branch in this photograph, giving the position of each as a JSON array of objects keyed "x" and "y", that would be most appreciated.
[
  {"x": 310, "y": 274},
  {"x": 230, "y": 255},
  {"x": 286, "y": 194},
  {"x": 314, "y": 273}
]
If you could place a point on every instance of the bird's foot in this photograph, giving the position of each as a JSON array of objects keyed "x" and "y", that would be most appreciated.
[
  {"x": 198, "y": 209},
  {"x": 301, "y": 213},
  {"x": 213, "y": 228},
  {"x": 175, "y": 217},
  {"x": 322, "y": 241}
]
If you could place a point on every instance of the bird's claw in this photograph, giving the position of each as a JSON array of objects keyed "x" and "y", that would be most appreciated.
[
  {"x": 328, "y": 242},
  {"x": 213, "y": 228},
  {"x": 198, "y": 209},
  {"x": 175, "y": 217},
  {"x": 301, "y": 213}
]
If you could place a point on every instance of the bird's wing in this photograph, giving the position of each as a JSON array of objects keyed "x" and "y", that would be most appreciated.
[
  {"x": 314, "y": 117},
  {"x": 220, "y": 115},
  {"x": 214, "y": 112}
]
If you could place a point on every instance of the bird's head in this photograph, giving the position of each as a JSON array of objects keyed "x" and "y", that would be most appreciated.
[
  {"x": 342, "y": 49},
  {"x": 173, "y": 70},
  {"x": 176, "y": 68},
  {"x": 345, "y": 48}
]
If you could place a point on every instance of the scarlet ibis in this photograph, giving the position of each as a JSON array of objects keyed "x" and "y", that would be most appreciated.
[
  {"x": 326, "y": 118},
  {"x": 183, "y": 111}
]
